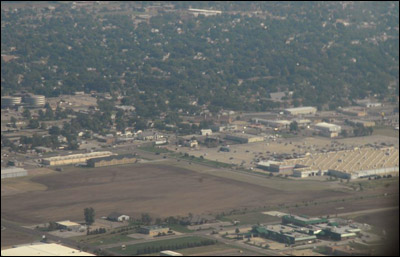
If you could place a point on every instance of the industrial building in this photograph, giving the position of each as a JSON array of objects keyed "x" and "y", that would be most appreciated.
[
  {"x": 338, "y": 232},
  {"x": 244, "y": 138},
  {"x": 274, "y": 166},
  {"x": 322, "y": 228},
  {"x": 301, "y": 110},
  {"x": 347, "y": 164},
  {"x": 13, "y": 172},
  {"x": 284, "y": 234},
  {"x": 111, "y": 160},
  {"x": 42, "y": 249},
  {"x": 153, "y": 230},
  {"x": 36, "y": 101},
  {"x": 10, "y": 101},
  {"x": 328, "y": 129},
  {"x": 74, "y": 158},
  {"x": 272, "y": 123}
]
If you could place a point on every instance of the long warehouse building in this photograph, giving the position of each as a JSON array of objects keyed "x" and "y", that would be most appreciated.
[
  {"x": 301, "y": 110},
  {"x": 111, "y": 160},
  {"x": 74, "y": 158}
]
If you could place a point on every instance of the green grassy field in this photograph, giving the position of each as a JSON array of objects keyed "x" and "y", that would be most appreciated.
[
  {"x": 204, "y": 249},
  {"x": 154, "y": 149},
  {"x": 159, "y": 245},
  {"x": 251, "y": 218},
  {"x": 201, "y": 160},
  {"x": 180, "y": 228},
  {"x": 103, "y": 239}
]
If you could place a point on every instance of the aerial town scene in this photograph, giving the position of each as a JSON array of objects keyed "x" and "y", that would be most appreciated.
[{"x": 199, "y": 128}]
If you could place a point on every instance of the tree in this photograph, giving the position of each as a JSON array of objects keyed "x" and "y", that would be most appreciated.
[
  {"x": 89, "y": 215},
  {"x": 27, "y": 114},
  {"x": 54, "y": 130},
  {"x": 33, "y": 124},
  {"x": 13, "y": 121},
  {"x": 294, "y": 126}
]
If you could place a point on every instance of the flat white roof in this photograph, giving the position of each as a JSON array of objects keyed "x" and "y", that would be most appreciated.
[
  {"x": 80, "y": 155},
  {"x": 326, "y": 125},
  {"x": 170, "y": 253},
  {"x": 203, "y": 10},
  {"x": 44, "y": 250},
  {"x": 300, "y": 108},
  {"x": 68, "y": 223}
]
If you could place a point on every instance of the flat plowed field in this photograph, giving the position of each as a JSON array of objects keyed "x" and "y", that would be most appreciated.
[{"x": 160, "y": 190}]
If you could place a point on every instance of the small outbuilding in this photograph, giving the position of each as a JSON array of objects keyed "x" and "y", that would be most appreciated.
[{"x": 115, "y": 216}]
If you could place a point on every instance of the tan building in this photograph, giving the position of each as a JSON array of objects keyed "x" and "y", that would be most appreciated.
[
  {"x": 354, "y": 111},
  {"x": 363, "y": 123},
  {"x": 153, "y": 230},
  {"x": 69, "y": 225},
  {"x": 74, "y": 158}
]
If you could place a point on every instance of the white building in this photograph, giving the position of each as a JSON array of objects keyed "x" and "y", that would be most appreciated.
[
  {"x": 74, "y": 158},
  {"x": 204, "y": 12},
  {"x": 42, "y": 249},
  {"x": 115, "y": 216},
  {"x": 301, "y": 110}
]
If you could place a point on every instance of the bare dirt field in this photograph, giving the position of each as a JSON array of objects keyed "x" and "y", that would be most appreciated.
[
  {"x": 160, "y": 190},
  {"x": 10, "y": 237},
  {"x": 20, "y": 185}
]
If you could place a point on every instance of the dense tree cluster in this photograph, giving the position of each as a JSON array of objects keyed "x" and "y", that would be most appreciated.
[{"x": 325, "y": 52}]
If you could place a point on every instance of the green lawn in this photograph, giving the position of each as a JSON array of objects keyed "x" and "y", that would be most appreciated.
[
  {"x": 180, "y": 228},
  {"x": 104, "y": 239},
  {"x": 154, "y": 149},
  {"x": 156, "y": 246},
  {"x": 204, "y": 249},
  {"x": 205, "y": 161}
]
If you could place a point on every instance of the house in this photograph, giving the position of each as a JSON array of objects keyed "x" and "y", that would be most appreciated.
[
  {"x": 115, "y": 216},
  {"x": 206, "y": 132}
]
